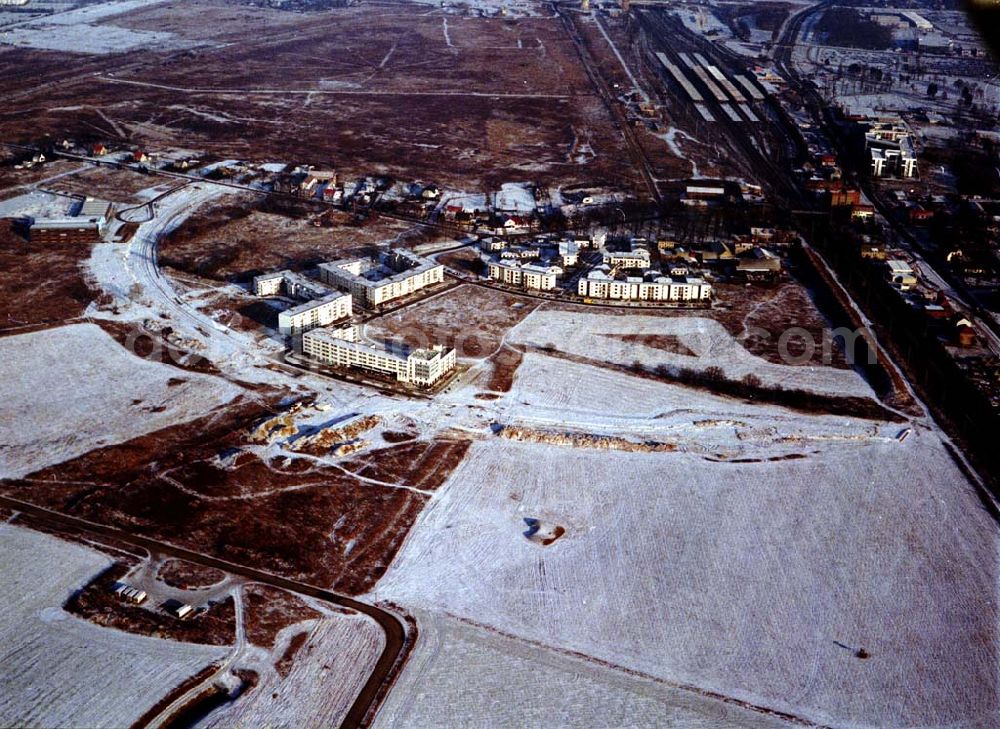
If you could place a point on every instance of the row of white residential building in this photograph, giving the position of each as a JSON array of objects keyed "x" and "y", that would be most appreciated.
[
  {"x": 342, "y": 347},
  {"x": 601, "y": 284},
  {"x": 316, "y": 313}
]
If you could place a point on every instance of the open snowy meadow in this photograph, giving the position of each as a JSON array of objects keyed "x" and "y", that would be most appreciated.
[
  {"x": 463, "y": 671},
  {"x": 583, "y": 334},
  {"x": 812, "y": 565},
  {"x": 68, "y": 390}
]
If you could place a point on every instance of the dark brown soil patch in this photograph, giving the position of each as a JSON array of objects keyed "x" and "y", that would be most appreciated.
[
  {"x": 42, "y": 284},
  {"x": 664, "y": 342},
  {"x": 187, "y": 575},
  {"x": 268, "y": 610}
]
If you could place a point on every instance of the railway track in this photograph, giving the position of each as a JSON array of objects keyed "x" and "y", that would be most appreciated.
[
  {"x": 636, "y": 153},
  {"x": 670, "y": 37}
]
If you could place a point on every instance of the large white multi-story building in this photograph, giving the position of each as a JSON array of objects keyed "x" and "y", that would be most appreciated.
[
  {"x": 600, "y": 284},
  {"x": 341, "y": 347},
  {"x": 525, "y": 275},
  {"x": 371, "y": 283},
  {"x": 317, "y": 313}
]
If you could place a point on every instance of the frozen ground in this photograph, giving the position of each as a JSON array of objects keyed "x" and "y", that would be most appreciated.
[
  {"x": 460, "y": 672},
  {"x": 87, "y": 38},
  {"x": 328, "y": 672},
  {"x": 754, "y": 562},
  {"x": 68, "y": 390},
  {"x": 93, "y": 12},
  {"x": 74, "y": 32},
  {"x": 59, "y": 670},
  {"x": 552, "y": 393},
  {"x": 515, "y": 197},
  {"x": 490, "y": 8},
  {"x": 596, "y": 335},
  {"x": 755, "y": 580},
  {"x": 36, "y": 204}
]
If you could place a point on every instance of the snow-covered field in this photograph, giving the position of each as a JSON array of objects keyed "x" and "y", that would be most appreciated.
[
  {"x": 552, "y": 393},
  {"x": 598, "y": 336},
  {"x": 87, "y": 38},
  {"x": 515, "y": 197},
  {"x": 68, "y": 390},
  {"x": 328, "y": 672},
  {"x": 73, "y": 31},
  {"x": 759, "y": 580},
  {"x": 463, "y": 675},
  {"x": 59, "y": 670},
  {"x": 36, "y": 204}
]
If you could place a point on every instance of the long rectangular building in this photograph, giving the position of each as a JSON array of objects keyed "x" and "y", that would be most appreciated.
[
  {"x": 86, "y": 226},
  {"x": 754, "y": 92},
  {"x": 341, "y": 348},
  {"x": 290, "y": 284},
  {"x": 599, "y": 284},
  {"x": 680, "y": 78},
  {"x": 373, "y": 282},
  {"x": 725, "y": 83},
  {"x": 312, "y": 314}
]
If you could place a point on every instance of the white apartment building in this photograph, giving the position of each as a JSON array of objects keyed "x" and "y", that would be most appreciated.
[
  {"x": 599, "y": 284},
  {"x": 269, "y": 284},
  {"x": 317, "y": 313},
  {"x": 342, "y": 348},
  {"x": 393, "y": 275},
  {"x": 524, "y": 275},
  {"x": 637, "y": 258}
]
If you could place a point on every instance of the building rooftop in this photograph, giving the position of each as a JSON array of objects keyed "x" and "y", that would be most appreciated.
[
  {"x": 309, "y": 305},
  {"x": 392, "y": 266}
]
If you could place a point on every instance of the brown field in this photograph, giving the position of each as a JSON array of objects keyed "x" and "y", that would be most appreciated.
[
  {"x": 238, "y": 241},
  {"x": 365, "y": 88},
  {"x": 505, "y": 364},
  {"x": 472, "y": 319},
  {"x": 42, "y": 285},
  {"x": 188, "y": 575},
  {"x": 10, "y": 179},
  {"x": 269, "y": 609},
  {"x": 666, "y": 342},
  {"x": 296, "y": 518},
  {"x": 108, "y": 183}
]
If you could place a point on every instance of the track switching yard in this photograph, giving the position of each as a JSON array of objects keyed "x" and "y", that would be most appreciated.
[{"x": 498, "y": 363}]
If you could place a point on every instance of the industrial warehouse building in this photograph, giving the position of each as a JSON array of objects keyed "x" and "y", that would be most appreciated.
[
  {"x": 374, "y": 282},
  {"x": 87, "y": 226},
  {"x": 601, "y": 283},
  {"x": 531, "y": 276},
  {"x": 317, "y": 313},
  {"x": 341, "y": 347}
]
